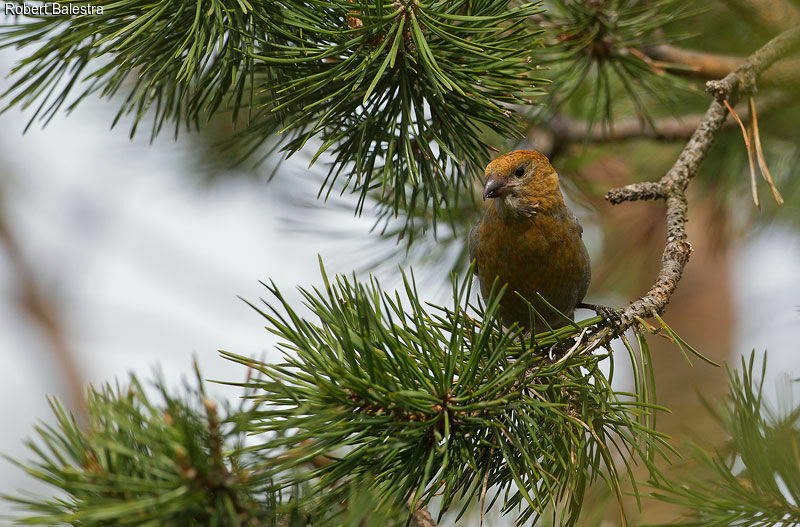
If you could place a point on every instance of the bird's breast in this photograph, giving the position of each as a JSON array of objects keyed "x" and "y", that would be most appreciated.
[{"x": 543, "y": 253}]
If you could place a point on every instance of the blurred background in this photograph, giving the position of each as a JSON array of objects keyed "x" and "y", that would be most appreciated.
[{"x": 120, "y": 255}]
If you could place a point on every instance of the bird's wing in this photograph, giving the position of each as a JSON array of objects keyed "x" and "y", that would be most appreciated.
[{"x": 473, "y": 243}]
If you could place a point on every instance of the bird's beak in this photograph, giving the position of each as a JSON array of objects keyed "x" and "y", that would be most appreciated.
[{"x": 491, "y": 187}]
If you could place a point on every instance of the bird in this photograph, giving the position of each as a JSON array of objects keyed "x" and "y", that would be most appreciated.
[{"x": 528, "y": 239}]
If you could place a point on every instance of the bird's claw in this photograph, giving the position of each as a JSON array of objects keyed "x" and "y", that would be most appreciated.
[{"x": 611, "y": 317}]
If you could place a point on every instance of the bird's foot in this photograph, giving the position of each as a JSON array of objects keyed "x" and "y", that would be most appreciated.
[{"x": 611, "y": 316}]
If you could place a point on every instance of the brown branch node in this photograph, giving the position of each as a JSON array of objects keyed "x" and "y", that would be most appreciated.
[{"x": 422, "y": 518}]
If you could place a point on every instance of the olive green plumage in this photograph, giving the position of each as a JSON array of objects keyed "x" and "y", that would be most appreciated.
[{"x": 529, "y": 239}]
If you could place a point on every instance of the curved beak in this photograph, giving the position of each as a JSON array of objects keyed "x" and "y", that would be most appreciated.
[{"x": 490, "y": 190}]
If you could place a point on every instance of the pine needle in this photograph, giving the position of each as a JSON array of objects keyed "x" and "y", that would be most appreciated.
[
  {"x": 762, "y": 163},
  {"x": 749, "y": 148}
]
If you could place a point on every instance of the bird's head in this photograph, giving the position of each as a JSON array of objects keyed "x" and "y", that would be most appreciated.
[{"x": 521, "y": 174}]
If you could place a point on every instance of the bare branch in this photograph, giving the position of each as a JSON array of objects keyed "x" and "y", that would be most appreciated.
[
  {"x": 672, "y": 186},
  {"x": 41, "y": 311},
  {"x": 706, "y": 65},
  {"x": 567, "y": 129},
  {"x": 700, "y": 63},
  {"x": 553, "y": 135}
]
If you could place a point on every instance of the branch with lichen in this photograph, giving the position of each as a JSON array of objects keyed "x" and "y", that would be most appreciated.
[{"x": 672, "y": 186}]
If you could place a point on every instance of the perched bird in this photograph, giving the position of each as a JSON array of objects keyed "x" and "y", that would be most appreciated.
[{"x": 529, "y": 239}]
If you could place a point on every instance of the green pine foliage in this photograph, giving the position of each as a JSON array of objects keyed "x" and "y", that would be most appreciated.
[
  {"x": 753, "y": 480},
  {"x": 381, "y": 401},
  {"x": 170, "y": 61},
  {"x": 596, "y": 50},
  {"x": 400, "y": 96},
  {"x": 425, "y": 400},
  {"x": 140, "y": 463},
  {"x": 180, "y": 461}
]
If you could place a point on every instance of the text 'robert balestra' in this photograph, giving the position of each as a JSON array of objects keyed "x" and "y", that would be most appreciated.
[{"x": 50, "y": 8}]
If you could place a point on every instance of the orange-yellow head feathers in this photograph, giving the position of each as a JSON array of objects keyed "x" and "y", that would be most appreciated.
[{"x": 520, "y": 179}]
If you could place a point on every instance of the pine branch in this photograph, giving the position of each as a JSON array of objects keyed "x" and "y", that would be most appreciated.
[
  {"x": 695, "y": 63},
  {"x": 390, "y": 399},
  {"x": 181, "y": 461},
  {"x": 564, "y": 130},
  {"x": 593, "y": 51},
  {"x": 413, "y": 400},
  {"x": 672, "y": 186},
  {"x": 138, "y": 462},
  {"x": 402, "y": 99},
  {"x": 176, "y": 62}
]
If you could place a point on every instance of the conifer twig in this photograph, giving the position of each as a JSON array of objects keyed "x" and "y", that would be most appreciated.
[
  {"x": 699, "y": 63},
  {"x": 672, "y": 186},
  {"x": 562, "y": 130}
]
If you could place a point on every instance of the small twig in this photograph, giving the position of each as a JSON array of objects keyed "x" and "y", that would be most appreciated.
[
  {"x": 749, "y": 148},
  {"x": 656, "y": 66},
  {"x": 485, "y": 487},
  {"x": 216, "y": 440},
  {"x": 762, "y": 162},
  {"x": 567, "y": 129},
  {"x": 693, "y": 63}
]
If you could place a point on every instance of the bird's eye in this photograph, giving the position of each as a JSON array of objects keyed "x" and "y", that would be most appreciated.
[{"x": 520, "y": 171}]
